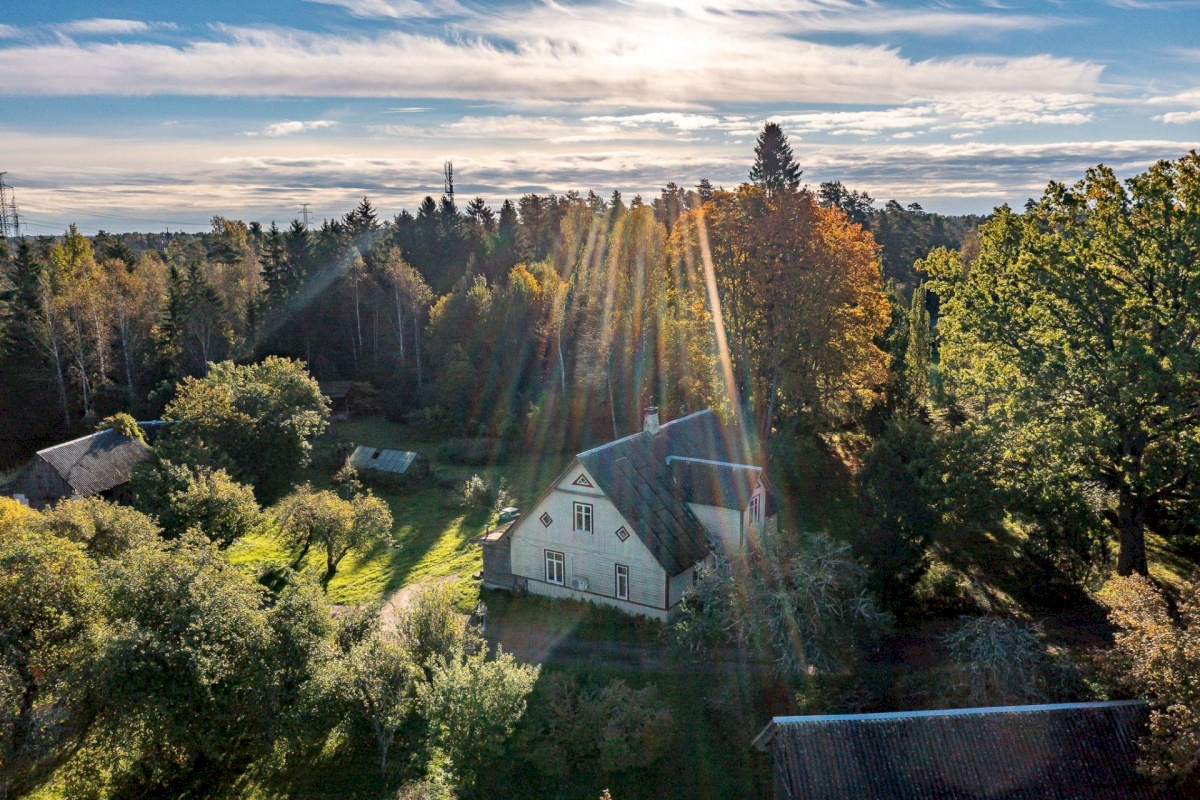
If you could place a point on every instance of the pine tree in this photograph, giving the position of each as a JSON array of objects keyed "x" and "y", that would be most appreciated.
[{"x": 774, "y": 168}]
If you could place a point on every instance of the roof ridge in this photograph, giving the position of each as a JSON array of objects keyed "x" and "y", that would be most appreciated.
[
  {"x": 714, "y": 463},
  {"x": 951, "y": 712},
  {"x": 78, "y": 439},
  {"x": 600, "y": 447}
]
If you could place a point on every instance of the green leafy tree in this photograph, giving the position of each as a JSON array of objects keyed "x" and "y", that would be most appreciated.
[
  {"x": 256, "y": 420},
  {"x": 337, "y": 526},
  {"x": 582, "y": 728},
  {"x": 1073, "y": 336},
  {"x": 105, "y": 529},
  {"x": 918, "y": 353},
  {"x": 774, "y": 170},
  {"x": 195, "y": 675},
  {"x": 472, "y": 706},
  {"x": 431, "y": 626},
  {"x": 378, "y": 681},
  {"x": 48, "y": 610}
]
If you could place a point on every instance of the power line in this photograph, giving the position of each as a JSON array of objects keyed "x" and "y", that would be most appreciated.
[{"x": 125, "y": 218}]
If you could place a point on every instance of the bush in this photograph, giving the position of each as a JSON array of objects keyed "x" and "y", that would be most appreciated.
[
  {"x": 1156, "y": 656},
  {"x": 1004, "y": 661},
  {"x": 476, "y": 493},
  {"x": 804, "y": 606},
  {"x": 581, "y": 727}
]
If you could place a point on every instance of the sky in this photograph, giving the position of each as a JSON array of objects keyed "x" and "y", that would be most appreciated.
[{"x": 156, "y": 116}]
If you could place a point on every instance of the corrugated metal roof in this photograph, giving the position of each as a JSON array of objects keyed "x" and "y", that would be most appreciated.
[
  {"x": 333, "y": 389},
  {"x": 1051, "y": 752},
  {"x": 95, "y": 463},
  {"x": 367, "y": 458}
]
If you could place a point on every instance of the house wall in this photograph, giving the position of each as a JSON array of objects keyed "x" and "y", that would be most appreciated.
[
  {"x": 725, "y": 525},
  {"x": 591, "y": 556},
  {"x": 42, "y": 484}
]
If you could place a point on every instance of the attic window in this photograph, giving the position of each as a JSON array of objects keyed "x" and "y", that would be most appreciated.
[
  {"x": 622, "y": 534},
  {"x": 545, "y": 520}
]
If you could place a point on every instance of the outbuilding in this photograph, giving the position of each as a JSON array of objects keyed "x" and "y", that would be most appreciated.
[{"x": 397, "y": 465}]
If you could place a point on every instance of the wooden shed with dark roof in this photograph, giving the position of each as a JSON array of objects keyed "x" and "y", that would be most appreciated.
[
  {"x": 1067, "y": 751},
  {"x": 98, "y": 464}
]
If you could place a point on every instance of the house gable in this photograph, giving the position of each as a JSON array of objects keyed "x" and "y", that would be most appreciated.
[{"x": 588, "y": 558}]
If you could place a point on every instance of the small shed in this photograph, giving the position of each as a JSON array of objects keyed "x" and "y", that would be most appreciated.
[
  {"x": 97, "y": 464},
  {"x": 497, "y": 558},
  {"x": 376, "y": 462},
  {"x": 338, "y": 393},
  {"x": 1064, "y": 751}
]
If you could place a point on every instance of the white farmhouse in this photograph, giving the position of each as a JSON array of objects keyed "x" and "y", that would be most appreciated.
[{"x": 627, "y": 523}]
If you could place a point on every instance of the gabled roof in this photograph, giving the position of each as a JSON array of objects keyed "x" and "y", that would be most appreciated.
[
  {"x": 714, "y": 483},
  {"x": 95, "y": 463},
  {"x": 1048, "y": 752},
  {"x": 635, "y": 475},
  {"x": 398, "y": 461}
]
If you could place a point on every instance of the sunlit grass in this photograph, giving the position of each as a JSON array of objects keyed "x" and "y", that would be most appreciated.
[{"x": 433, "y": 537}]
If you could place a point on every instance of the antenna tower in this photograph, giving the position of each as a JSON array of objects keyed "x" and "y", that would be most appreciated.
[
  {"x": 10, "y": 221},
  {"x": 448, "y": 167},
  {"x": 304, "y": 213}
]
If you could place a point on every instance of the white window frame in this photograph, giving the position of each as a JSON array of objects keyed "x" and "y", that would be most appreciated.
[
  {"x": 756, "y": 508},
  {"x": 622, "y": 579},
  {"x": 582, "y": 512},
  {"x": 556, "y": 568}
]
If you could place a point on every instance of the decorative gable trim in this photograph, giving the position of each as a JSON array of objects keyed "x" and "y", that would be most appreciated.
[
  {"x": 582, "y": 480},
  {"x": 621, "y": 533},
  {"x": 545, "y": 519}
]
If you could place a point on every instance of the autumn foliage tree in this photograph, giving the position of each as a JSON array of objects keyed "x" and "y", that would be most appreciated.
[{"x": 801, "y": 301}]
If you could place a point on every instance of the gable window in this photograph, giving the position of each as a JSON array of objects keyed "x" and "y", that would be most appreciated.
[
  {"x": 555, "y": 564},
  {"x": 622, "y": 582},
  {"x": 583, "y": 518},
  {"x": 756, "y": 508}
]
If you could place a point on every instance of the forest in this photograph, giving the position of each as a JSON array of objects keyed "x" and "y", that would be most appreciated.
[{"x": 983, "y": 433}]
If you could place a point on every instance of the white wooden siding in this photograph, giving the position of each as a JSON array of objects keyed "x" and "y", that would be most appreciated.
[
  {"x": 591, "y": 556},
  {"x": 724, "y": 525}
]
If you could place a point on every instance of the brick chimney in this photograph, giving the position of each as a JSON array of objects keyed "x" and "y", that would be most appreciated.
[{"x": 650, "y": 423}]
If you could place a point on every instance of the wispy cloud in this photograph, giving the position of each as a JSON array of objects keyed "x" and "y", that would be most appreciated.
[
  {"x": 9, "y": 32},
  {"x": 396, "y": 9},
  {"x": 100, "y": 27},
  {"x": 617, "y": 66},
  {"x": 290, "y": 127}
]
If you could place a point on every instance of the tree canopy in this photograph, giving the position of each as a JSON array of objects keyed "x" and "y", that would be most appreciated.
[{"x": 1073, "y": 337}]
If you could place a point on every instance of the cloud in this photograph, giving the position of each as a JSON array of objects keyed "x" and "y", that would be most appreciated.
[
  {"x": 102, "y": 27},
  {"x": 396, "y": 9},
  {"x": 643, "y": 55},
  {"x": 9, "y": 32},
  {"x": 293, "y": 126},
  {"x": 1179, "y": 117}
]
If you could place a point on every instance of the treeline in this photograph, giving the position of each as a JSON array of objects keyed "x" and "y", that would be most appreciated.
[{"x": 484, "y": 321}]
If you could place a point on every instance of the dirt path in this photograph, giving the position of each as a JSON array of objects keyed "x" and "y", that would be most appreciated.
[{"x": 403, "y": 596}]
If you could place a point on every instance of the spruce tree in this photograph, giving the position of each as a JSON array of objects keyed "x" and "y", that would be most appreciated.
[{"x": 774, "y": 168}]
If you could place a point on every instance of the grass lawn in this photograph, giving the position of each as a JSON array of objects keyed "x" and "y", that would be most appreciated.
[{"x": 433, "y": 534}]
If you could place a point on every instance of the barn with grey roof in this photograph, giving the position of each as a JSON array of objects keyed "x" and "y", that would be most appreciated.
[
  {"x": 98, "y": 464},
  {"x": 1067, "y": 751}
]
